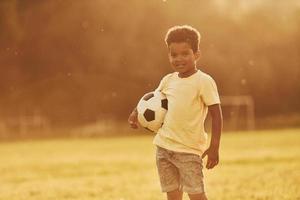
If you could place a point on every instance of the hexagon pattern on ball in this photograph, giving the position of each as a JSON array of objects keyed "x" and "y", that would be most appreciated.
[
  {"x": 149, "y": 115},
  {"x": 148, "y": 96},
  {"x": 152, "y": 109},
  {"x": 164, "y": 103}
]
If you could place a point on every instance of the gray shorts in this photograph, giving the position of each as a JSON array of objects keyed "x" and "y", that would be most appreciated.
[{"x": 179, "y": 170}]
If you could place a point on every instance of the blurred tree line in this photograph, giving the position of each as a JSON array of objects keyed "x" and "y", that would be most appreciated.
[{"x": 80, "y": 61}]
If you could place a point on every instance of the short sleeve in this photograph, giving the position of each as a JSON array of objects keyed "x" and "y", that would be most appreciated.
[
  {"x": 209, "y": 92},
  {"x": 160, "y": 86},
  {"x": 162, "y": 83}
]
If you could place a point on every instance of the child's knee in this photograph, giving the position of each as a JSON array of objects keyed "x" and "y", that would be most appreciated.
[
  {"x": 201, "y": 196},
  {"x": 175, "y": 195}
]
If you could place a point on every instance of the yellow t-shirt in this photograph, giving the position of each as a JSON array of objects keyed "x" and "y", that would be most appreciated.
[{"x": 188, "y": 101}]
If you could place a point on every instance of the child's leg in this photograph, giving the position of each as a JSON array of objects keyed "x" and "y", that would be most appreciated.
[
  {"x": 191, "y": 175},
  {"x": 168, "y": 174},
  {"x": 200, "y": 196},
  {"x": 174, "y": 195}
]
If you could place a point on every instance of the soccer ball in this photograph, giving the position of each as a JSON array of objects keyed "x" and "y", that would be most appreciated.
[{"x": 152, "y": 109}]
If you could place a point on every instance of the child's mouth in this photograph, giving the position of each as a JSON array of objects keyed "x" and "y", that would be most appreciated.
[{"x": 180, "y": 66}]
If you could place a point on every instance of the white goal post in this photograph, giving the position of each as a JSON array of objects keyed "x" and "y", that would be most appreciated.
[{"x": 236, "y": 103}]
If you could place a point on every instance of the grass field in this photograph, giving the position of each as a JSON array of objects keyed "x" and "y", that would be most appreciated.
[{"x": 259, "y": 165}]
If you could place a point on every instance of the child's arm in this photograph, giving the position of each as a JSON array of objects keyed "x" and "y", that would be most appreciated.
[
  {"x": 132, "y": 119},
  {"x": 217, "y": 122}
]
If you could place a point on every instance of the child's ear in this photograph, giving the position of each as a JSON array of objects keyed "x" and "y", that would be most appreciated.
[{"x": 198, "y": 55}]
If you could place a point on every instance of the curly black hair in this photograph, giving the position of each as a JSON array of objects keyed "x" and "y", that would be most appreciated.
[{"x": 184, "y": 33}]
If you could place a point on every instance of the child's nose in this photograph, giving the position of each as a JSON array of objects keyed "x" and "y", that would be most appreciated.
[{"x": 178, "y": 58}]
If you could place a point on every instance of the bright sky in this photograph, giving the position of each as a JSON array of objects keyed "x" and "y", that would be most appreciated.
[{"x": 246, "y": 5}]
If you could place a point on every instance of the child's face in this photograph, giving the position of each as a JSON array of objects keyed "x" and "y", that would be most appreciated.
[{"x": 182, "y": 58}]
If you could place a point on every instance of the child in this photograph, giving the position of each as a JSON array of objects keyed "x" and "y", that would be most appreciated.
[{"x": 181, "y": 141}]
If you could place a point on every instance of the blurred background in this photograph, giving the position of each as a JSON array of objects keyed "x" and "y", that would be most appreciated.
[{"x": 81, "y": 66}]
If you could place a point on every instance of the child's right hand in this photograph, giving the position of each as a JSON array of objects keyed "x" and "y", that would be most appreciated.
[{"x": 132, "y": 119}]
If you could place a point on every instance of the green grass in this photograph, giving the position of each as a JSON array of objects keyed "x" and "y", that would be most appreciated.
[{"x": 258, "y": 165}]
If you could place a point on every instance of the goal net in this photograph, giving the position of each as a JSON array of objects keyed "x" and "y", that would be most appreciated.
[{"x": 238, "y": 112}]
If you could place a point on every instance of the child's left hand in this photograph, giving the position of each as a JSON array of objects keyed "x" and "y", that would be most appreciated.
[
  {"x": 133, "y": 120},
  {"x": 212, "y": 157}
]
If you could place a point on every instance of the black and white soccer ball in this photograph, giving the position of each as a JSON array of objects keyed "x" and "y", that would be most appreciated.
[{"x": 152, "y": 109}]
